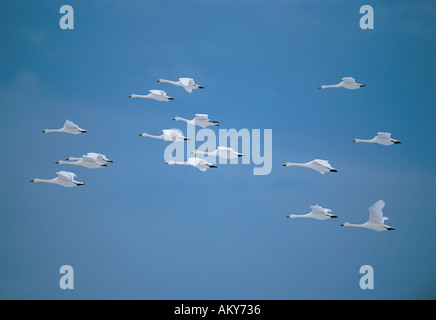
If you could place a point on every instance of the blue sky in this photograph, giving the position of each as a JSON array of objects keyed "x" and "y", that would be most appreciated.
[{"x": 140, "y": 229}]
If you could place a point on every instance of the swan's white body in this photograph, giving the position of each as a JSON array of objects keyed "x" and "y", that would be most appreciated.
[
  {"x": 201, "y": 120},
  {"x": 383, "y": 138},
  {"x": 322, "y": 166},
  {"x": 222, "y": 152},
  {"x": 318, "y": 213},
  {"x": 69, "y": 127},
  {"x": 167, "y": 135},
  {"x": 90, "y": 160},
  {"x": 347, "y": 83},
  {"x": 158, "y": 95},
  {"x": 198, "y": 163},
  {"x": 100, "y": 157},
  {"x": 186, "y": 83},
  {"x": 376, "y": 219},
  {"x": 64, "y": 179}
]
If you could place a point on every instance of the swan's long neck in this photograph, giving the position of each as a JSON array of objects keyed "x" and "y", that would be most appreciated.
[
  {"x": 331, "y": 86},
  {"x": 206, "y": 152},
  {"x": 346, "y": 224},
  {"x": 44, "y": 180},
  {"x": 140, "y": 96},
  {"x": 172, "y": 82},
  {"x": 299, "y": 215},
  {"x": 74, "y": 158},
  {"x": 53, "y": 130},
  {"x": 362, "y": 140},
  {"x": 76, "y": 163},
  {"x": 183, "y": 119},
  {"x": 290, "y": 164},
  {"x": 152, "y": 136}
]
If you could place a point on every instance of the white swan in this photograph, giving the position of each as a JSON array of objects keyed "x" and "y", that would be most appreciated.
[
  {"x": 158, "y": 95},
  {"x": 198, "y": 163},
  {"x": 376, "y": 219},
  {"x": 100, "y": 157},
  {"x": 317, "y": 212},
  {"x": 383, "y": 138},
  {"x": 186, "y": 83},
  {"x": 167, "y": 135},
  {"x": 322, "y": 166},
  {"x": 64, "y": 179},
  {"x": 69, "y": 127},
  {"x": 90, "y": 160},
  {"x": 222, "y": 152},
  {"x": 201, "y": 120},
  {"x": 347, "y": 83}
]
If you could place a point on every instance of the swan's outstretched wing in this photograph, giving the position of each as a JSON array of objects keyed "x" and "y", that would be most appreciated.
[
  {"x": 70, "y": 125},
  {"x": 95, "y": 155},
  {"x": 186, "y": 81},
  {"x": 172, "y": 133},
  {"x": 324, "y": 163},
  {"x": 226, "y": 149},
  {"x": 375, "y": 212},
  {"x": 201, "y": 117},
  {"x": 90, "y": 158},
  {"x": 65, "y": 175},
  {"x": 349, "y": 80},
  {"x": 384, "y": 135},
  {"x": 319, "y": 210},
  {"x": 158, "y": 92}
]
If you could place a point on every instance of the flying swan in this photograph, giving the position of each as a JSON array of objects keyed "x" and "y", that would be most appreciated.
[
  {"x": 100, "y": 157},
  {"x": 90, "y": 160},
  {"x": 322, "y": 166},
  {"x": 222, "y": 152},
  {"x": 186, "y": 83},
  {"x": 376, "y": 219},
  {"x": 158, "y": 95},
  {"x": 64, "y": 179},
  {"x": 347, "y": 83},
  {"x": 383, "y": 138},
  {"x": 167, "y": 135},
  {"x": 201, "y": 120},
  {"x": 198, "y": 163},
  {"x": 69, "y": 127},
  {"x": 318, "y": 213}
]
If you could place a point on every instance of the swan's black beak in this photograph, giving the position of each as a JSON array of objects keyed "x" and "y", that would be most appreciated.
[
  {"x": 342, "y": 225},
  {"x": 44, "y": 131},
  {"x": 32, "y": 180}
]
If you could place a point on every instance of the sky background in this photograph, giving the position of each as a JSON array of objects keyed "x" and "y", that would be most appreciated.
[{"x": 140, "y": 229}]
